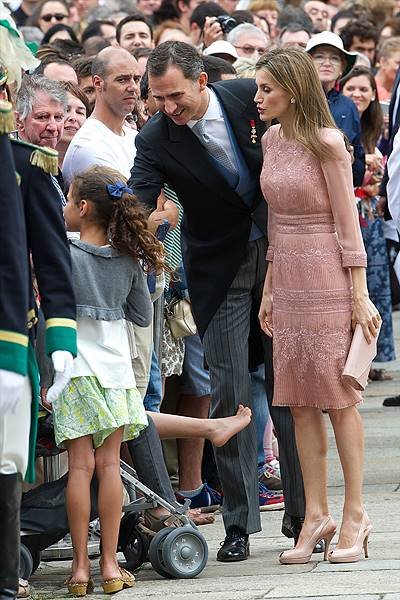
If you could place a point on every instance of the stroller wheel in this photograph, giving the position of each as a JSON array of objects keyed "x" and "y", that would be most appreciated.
[
  {"x": 136, "y": 550},
  {"x": 184, "y": 552},
  {"x": 155, "y": 552},
  {"x": 35, "y": 559},
  {"x": 25, "y": 562}
]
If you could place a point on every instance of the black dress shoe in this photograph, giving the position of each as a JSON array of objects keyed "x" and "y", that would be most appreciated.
[
  {"x": 392, "y": 401},
  {"x": 235, "y": 547}
]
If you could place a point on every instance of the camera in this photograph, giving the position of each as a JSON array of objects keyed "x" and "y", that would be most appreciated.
[{"x": 227, "y": 23}]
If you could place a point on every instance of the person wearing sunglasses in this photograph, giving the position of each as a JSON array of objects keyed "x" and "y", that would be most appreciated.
[
  {"x": 49, "y": 13},
  {"x": 249, "y": 40}
]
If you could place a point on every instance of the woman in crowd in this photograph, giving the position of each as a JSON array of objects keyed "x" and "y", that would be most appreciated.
[
  {"x": 333, "y": 62},
  {"x": 49, "y": 13},
  {"x": 78, "y": 110},
  {"x": 360, "y": 86},
  {"x": 315, "y": 290},
  {"x": 389, "y": 61}
]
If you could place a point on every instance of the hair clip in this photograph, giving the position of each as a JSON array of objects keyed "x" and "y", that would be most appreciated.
[{"x": 117, "y": 189}]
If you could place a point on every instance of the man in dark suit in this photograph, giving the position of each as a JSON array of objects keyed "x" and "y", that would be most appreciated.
[{"x": 205, "y": 143}]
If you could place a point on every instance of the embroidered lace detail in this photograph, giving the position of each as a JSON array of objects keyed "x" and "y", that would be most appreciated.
[
  {"x": 312, "y": 302},
  {"x": 354, "y": 259},
  {"x": 308, "y": 260},
  {"x": 312, "y": 354}
]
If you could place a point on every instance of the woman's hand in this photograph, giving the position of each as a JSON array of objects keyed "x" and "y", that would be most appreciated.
[
  {"x": 366, "y": 314},
  {"x": 265, "y": 314}
]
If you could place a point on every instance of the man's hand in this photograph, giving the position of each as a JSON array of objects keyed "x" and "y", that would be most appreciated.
[
  {"x": 10, "y": 390},
  {"x": 165, "y": 210},
  {"x": 62, "y": 363},
  {"x": 212, "y": 31}
]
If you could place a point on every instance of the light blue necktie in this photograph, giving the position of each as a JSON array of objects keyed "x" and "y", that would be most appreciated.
[{"x": 212, "y": 146}]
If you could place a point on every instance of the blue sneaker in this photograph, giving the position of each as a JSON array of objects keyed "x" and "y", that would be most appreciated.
[
  {"x": 269, "y": 500},
  {"x": 207, "y": 498}
]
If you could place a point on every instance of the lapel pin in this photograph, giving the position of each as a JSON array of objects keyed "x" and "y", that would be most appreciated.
[{"x": 253, "y": 131}]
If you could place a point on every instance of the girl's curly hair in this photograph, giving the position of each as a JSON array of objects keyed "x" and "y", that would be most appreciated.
[{"x": 124, "y": 217}]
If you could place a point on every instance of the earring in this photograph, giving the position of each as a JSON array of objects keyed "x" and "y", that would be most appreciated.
[
  {"x": 373, "y": 98},
  {"x": 292, "y": 100}
]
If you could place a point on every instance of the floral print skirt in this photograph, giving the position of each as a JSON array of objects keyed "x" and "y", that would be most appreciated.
[{"x": 86, "y": 408}]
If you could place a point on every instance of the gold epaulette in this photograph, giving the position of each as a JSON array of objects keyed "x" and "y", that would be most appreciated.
[
  {"x": 42, "y": 157},
  {"x": 7, "y": 123}
]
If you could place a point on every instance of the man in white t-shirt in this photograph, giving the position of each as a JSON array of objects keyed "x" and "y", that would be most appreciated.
[{"x": 104, "y": 139}]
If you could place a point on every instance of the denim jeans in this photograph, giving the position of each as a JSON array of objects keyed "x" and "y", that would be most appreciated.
[
  {"x": 261, "y": 410},
  {"x": 153, "y": 397}
]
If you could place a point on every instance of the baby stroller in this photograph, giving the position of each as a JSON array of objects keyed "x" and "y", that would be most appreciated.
[{"x": 175, "y": 552}]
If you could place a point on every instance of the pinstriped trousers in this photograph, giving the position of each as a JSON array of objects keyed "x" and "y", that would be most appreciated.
[{"x": 226, "y": 349}]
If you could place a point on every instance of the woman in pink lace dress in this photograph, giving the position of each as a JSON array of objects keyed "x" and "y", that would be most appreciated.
[{"x": 315, "y": 290}]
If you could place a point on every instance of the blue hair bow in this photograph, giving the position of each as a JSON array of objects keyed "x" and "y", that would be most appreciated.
[{"x": 117, "y": 189}]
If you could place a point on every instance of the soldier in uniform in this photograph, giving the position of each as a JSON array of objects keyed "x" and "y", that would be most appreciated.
[{"x": 34, "y": 213}]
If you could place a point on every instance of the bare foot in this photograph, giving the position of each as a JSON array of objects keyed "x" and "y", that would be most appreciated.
[
  {"x": 200, "y": 518},
  {"x": 223, "y": 429},
  {"x": 109, "y": 570}
]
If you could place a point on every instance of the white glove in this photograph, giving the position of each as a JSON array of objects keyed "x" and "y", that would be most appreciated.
[
  {"x": 10, "y": 390},
  {"x": 62, "y": 363}
]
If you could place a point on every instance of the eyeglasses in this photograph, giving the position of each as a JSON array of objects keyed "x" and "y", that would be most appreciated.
[
  {"x": 56, "y": 16},
  {"x": 251, "y": 49},
  {"x": 334, "y": 59}
]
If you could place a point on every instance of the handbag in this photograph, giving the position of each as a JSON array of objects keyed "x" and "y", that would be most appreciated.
[
  {"x": 178, "y": 314},
  {"x": 359, "y": 359}
]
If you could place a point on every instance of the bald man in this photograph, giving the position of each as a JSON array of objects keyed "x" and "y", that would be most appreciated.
[{"x": 104, "y": 139}]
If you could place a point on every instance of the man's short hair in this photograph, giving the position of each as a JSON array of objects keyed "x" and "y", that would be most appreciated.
[
  {"x": 362, "y": 28},
  {"x": 296, "y": 14},
  {"x": 176, "y": 54},
  {"x": 50, "y": 60},
  {"x": 141, "y": 53},
  {"x": 31, "y": 85},
  {"x": 137, "y": 16},
  {"x": 293, "y": 28},
  {"x": 94, "y": 28},
  {"x": 215, "y": 67},
  {"x": 245, "y": 29},
  {"x": 207, "y": 9},
  {"x": 83, "y": 66}
]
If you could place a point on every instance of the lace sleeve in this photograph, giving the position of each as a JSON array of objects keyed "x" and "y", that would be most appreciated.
[{"x": 339, "y": 181}]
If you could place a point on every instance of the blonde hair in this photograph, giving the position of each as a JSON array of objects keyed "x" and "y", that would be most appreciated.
[
  {"x": 389, "y": 47},
  {"x": 294, "y": 71},
  {"x": 256, "y": 5}
]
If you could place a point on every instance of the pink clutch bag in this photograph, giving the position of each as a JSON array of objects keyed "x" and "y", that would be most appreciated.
[{"x": 359, "y": 359}]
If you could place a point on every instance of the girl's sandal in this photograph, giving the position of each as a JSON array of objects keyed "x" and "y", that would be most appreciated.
[
  {"x": 79, "y": 588},
  {"x": 111, "y": 586}
]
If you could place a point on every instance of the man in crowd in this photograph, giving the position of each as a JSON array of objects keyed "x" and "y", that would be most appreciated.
[
  {"x": 58, "y": 69},
  {"x": 294, "y": 35},
  {"x": 135, "y": 32},
  {"x": 248, "y": 40},
  {"x": 101, "y": 28},
  {"x": 319, "y": 14},
  {"x": 148, "y": 7},
  {"x": 83, "y": 69},
  {"x": 223, "y": 229},
  {"x": 361, "y": 36}
]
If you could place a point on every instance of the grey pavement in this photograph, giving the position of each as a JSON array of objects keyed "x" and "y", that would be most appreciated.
[{"x": 376, "y": 578}]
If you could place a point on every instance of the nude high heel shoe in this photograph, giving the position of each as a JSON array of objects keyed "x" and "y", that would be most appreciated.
[
  {"x": 302, "y": 552},
  {"x": 354, "y": 554}
]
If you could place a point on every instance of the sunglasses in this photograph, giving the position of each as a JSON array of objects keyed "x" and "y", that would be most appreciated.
[{"x": 56, "y": 16}]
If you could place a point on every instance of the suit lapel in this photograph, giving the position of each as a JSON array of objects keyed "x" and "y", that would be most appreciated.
[{"x": 184, "y": 146}]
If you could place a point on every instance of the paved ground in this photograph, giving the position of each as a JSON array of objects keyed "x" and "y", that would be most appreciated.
[{"x": 377, "y": 578}]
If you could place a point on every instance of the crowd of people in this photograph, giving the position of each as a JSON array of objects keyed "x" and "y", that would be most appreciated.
[{"x": 205, "y": 206}]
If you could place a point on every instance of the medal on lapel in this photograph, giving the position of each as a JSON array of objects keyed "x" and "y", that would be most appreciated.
[{"x": 253, "y": 131}]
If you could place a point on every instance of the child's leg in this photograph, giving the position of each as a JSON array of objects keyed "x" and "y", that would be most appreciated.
[
  {"x": 268, "y": 451},
  {"x": 218, "y": 431},
  {"x": 109, "y": 501},
  {"x": 81, "y": 469}
]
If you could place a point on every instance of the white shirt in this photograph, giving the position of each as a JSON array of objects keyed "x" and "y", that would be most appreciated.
[
  {"x": 215, "y": 125},
  {"x": 393, "y": 186},
  {"x": 96, "y": 144}
]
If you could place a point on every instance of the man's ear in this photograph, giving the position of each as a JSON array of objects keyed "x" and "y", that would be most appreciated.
[
  {"x": 182, "y": 7},
  {"x": 203, "y": 80},
  {"x": 97, "y": 82},
  {"x": 19, "y": 122}
]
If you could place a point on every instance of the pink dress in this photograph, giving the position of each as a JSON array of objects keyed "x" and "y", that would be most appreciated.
[{"x": 314, "y": 237}]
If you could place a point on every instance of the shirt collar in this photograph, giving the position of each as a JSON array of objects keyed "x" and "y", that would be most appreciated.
[{"x": 213, "y": 112}]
